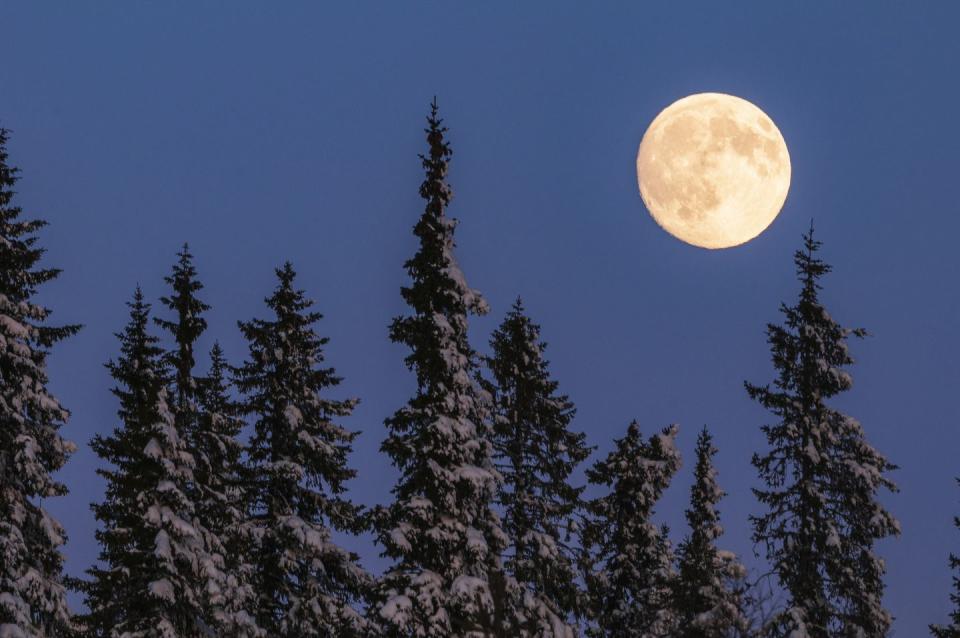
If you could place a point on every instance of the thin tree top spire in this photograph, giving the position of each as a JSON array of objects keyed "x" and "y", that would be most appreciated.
[
  {"x": 810, "y": 267},
  {"x": 186, "y": 327},
  {"x": 19, "y": 253},
  {"x": 438, "y": 286},
  {"x": 434, "y": 188}
]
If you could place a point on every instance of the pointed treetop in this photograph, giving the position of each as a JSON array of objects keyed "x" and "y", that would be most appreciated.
[
  {"x": 186, "y": 327},
  {"x": 434, "y": 189},
  {"x": 216, "y": 379},
  {"x": 287, "y": 300},
  {"x": 139, "y": 309},
  {"x": 19, "y": 252},
  {"x": 286, "y": 273},
  {"x": 810, "y": 267},
  {"x": 218, "y": 360}
]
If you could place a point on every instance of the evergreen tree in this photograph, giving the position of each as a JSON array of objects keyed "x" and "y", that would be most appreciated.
[
  {"x": 221, "y": 479},
  {"x": 630, "y": 572},
  {"x": 305, "y": 584},
  {"x": 707, "y": 597},
  {"x": 185, "y": 329},
  {"x": 953, "y": 629},
  {"x": 206, "y": 421},
  {"x": 441, "y": 532},
  {"x": 536, "y": 452},
  {"x": 32, "y": 593},
  {"x": 150, "y": 550},
  {"x": 821, "y": 476}
]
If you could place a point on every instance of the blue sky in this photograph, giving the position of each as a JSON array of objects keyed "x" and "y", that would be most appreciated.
[{"x": 261, "y": 132}]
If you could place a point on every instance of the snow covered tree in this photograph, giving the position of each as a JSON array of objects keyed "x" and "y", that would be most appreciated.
[
  {"x": 707, "y": 594},
  {"x": 207, "y": 423},
  {"x": 630, "y": 572},
  {"x": 151, "y": 552},
  {"x": 305, "y": 585},
  {"x": 535, "y": 452},
  {"x": 441, "y": 531},
  {"x": 32, "y": 593},
  {"x": 220, "y": 483},
  {"x": 953, "y": 629},
  {"x": 821, "y": 476}
]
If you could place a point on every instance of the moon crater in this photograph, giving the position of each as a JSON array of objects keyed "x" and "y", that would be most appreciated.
[{"x": 713, "y": 170}]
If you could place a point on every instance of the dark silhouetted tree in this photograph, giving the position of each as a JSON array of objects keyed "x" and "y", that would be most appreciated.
[
  {"x": 630, "y": 573},
  {"x": 305, "y": 584},
  {"x": 152, "y": 553},
  {"x": 207, "y": 423},
  {"x": 536, "y": 452},
  {"x": 708, "y": 592},
  {"x": 441, "y": 532},
  {"x": 221, "y": 479},
  {"x": 32, "y": 594},
  {"x": 185, "y": 328},
  {"x": 821, "y": 476}
]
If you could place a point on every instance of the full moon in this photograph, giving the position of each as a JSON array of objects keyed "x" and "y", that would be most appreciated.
[{"x": 714, "y": 170}]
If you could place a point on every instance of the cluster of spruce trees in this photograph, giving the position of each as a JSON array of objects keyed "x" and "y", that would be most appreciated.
[{"x": 204, "y": 532}]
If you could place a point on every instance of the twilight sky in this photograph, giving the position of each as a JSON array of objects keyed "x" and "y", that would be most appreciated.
[{"x": 261, "y": 133}]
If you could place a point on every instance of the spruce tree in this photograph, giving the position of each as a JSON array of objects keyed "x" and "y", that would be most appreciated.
[
  {"x": 441, "y": 531},
  {"x": 953, "y": 629},
  {"x": 821, "y": 476},
  {"x": 221, "y": 479},
  {"x": 32, "y": 593},
  {"x": 707, "y": 597},
  {"x": 305, "y": 585},
  {"x": 535, "y": 452},
  {"x": 187, "y": 326},
  {"x": 144, "y": 585},
  {"x": 629, "y": 572},
  {"x": 206, "y": 421}
]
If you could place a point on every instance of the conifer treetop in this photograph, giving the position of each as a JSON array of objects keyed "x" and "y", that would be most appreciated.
[
  {"x": 708, "y": 591},
  {"x": 437, "y": 283},
  {"x": 630, "y": 572},
  {"x": 282, "y": 381},
  {"x": 188, "y": 323}
]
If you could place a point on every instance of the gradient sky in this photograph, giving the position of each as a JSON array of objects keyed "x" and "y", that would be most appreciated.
[{"x": 260, "y": 133}]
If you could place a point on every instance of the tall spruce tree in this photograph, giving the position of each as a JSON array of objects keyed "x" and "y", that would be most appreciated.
[
  {"x": 206, "y": 421},
  {"x": 536, "y": 452},
  {"x": 821, "y": 476},
  {"x": 953, "y": 629},
  {"x": 305, "y": 584},
  {"x": 151, "y": 552},
  {"x": 222, "y": 478},
  {"x": 441, "y": 531},
  {"x": 32, "y": 593},
  {"x": 708, "y": 593},
  {"x": 629, "y": 571}
]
